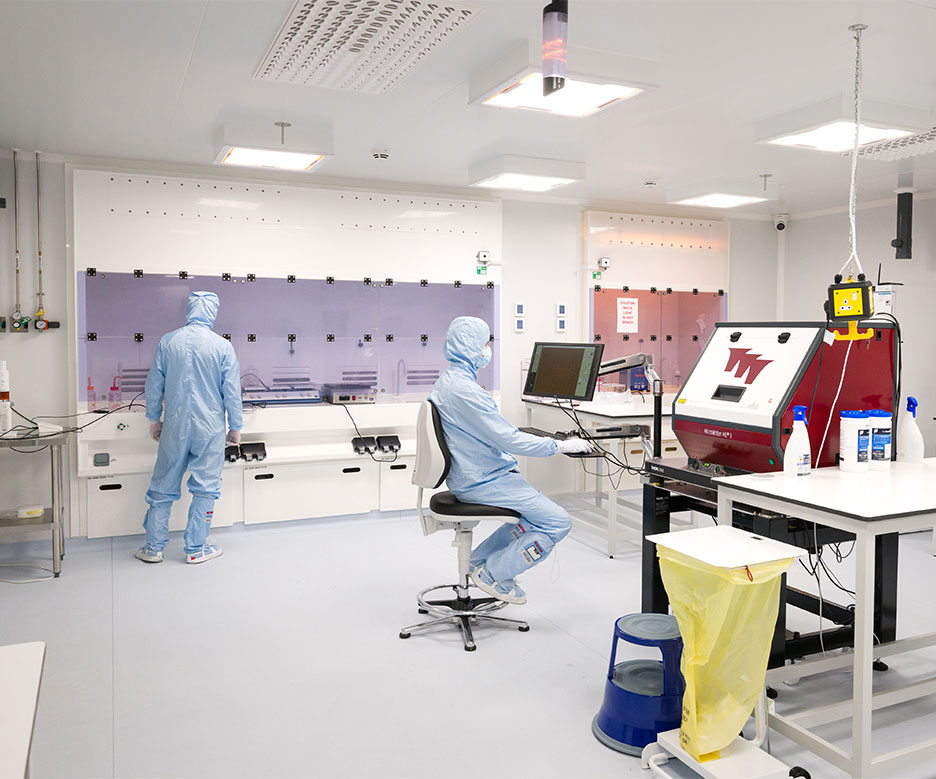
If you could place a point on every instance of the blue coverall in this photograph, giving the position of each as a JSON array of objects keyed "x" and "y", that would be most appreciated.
[
  {"x": 483, "y": 469},
  {"x": 196, "y": 372}
]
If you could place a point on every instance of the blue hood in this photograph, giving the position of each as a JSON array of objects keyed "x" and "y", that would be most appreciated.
[
  {"x": 466, "y": 338},
  {"x": 202, "y": 308}
]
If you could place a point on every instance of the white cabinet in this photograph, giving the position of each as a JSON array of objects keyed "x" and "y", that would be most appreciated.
[
  {"x": 324, "y": 489},
  {"x": 397, "y": 492},
  {"x": 116, "y": 504}
]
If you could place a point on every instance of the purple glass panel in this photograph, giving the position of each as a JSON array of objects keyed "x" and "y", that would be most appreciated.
[{"x": 341, "y": 330}]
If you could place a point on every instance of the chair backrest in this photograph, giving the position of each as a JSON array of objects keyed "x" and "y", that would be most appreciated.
[{"x": 433, "y": 459}]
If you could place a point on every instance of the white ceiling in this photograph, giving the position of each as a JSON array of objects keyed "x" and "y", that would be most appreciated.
[{"x": 155, "y": 80}]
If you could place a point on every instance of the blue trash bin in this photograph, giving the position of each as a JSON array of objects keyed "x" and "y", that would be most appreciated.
[{"x": 642, "y": 697}]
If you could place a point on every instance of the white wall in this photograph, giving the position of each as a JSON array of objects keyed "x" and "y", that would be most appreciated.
[
  {"x": 753, "y": 271},
  {"x": 542, "y": 254},
  {"x": 37, "y": 361},
  {"x": 817, "y": 247}
]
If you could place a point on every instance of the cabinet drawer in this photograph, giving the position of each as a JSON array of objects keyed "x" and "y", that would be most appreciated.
[
  {"x": 281, "y": 492},
  {"x": 116, "y": 505}
]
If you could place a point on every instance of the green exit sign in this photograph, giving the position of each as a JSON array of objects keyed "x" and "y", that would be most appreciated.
[
  {"x": 596, "y": 274},
  {"x": 482, "y": 270}
]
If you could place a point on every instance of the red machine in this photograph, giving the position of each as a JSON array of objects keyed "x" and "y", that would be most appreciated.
[{"x": 735, "y": 410}]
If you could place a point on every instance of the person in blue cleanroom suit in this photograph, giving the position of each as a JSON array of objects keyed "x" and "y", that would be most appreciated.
[
  {"x": 195, "y": 371},
  {"x": 482, "y": 444}
]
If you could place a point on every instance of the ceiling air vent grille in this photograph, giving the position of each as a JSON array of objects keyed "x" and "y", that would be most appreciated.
[
  {"x": 899, "y": 149},
  {"x": 359, "y": 45}
]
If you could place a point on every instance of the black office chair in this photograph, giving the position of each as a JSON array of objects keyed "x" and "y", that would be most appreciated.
[{"x": 448, "y": 513}]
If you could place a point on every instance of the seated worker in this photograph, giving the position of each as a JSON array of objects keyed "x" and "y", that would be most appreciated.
[{"x": 483, "y": 469}]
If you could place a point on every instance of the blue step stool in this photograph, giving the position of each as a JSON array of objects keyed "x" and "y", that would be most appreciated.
[{"x": 642, "y": 697}]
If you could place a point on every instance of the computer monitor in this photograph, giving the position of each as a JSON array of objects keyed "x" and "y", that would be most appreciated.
[{"x": 563, "y": 370}]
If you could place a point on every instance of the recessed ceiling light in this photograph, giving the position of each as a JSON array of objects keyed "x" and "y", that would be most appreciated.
[
  {"x": 839, "y": 136},
  {"x": 269, "y": 158},
  {"x": 829, "y": 125},
  {"x": 595, "y": 81},
  {"x": 719, "y": 200},
  {"x": 528, "y": 174},
  {"x": 273, "y": 147}
]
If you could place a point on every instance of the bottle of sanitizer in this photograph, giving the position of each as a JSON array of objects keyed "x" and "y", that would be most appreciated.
[
  {"x": 796, "y": 458},
  {"x": 909, "y": 437}
]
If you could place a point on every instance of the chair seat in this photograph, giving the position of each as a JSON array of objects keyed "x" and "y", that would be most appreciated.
[{"x": 445, "y": 504}]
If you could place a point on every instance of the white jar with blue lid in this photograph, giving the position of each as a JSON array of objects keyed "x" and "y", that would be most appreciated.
[
  {"x": 882, "y": 423},
  {"x": 854, "y": 441}
]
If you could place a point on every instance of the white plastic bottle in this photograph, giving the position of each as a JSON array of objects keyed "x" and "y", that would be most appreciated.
[
  {"x": 909, "y": 437},
  {"x": 6, "y": 410},
  {"x": 854, "y": 441},
  {"x": 796, "y": 457},
  {"x": 882, "y": 423}
]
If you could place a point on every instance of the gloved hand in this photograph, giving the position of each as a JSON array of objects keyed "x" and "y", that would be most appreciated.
[
  {"x": 233, "y": 437},
  {"x": 574, "y": 446},
  {"x": 155, "y": 430}
]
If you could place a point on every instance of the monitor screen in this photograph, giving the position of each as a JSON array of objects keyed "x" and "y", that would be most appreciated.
[{"x": 562, "y": 370}]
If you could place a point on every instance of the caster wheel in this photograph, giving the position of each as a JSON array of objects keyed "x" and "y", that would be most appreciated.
[
  {"x": 772, "y": 693},
  {"x": 470, "y": 648},
  {"x": 423, "y": 611},
  {"x": 524, "y": 628},
  {"x": 799, "y": 773},
  {"x": 405, "y": 635},
  {"x": 879, "y": 665}
]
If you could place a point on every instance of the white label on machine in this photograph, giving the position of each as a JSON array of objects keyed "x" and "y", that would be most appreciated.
[
  {"x": 627, "y": 315},
  {"x": 744, "y": 374}
]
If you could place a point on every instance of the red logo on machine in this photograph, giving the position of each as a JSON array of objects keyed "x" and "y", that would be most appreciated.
[{"x": 742, "y": 362}]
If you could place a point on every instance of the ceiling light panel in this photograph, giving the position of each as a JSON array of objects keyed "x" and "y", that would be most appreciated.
[
  {"x": 719, "y": 200},
  {"x": 365, "y": 46},
  {"x": 840, "y": 136},
  {"x": 577, "y": 98},
  {"x": 525, "y": 182},
  {"x": 528, "y": 174}
]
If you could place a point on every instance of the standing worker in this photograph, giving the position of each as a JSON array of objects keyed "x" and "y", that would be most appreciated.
[
  {"x": 196, "y": 372},
  {"x": 481, "y": 443}
]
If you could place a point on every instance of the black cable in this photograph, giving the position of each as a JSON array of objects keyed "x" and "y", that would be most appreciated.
[
  {"x": 29, "y": 451},
  {"x": 609, "y": 456},
  {"x": 818, "y": 374}
]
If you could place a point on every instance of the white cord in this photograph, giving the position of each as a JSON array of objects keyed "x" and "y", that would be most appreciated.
[
  {"x": 853, "y": 193},
  {"x": 556, "y": 573},
  {"x": 834, "y": 402}
]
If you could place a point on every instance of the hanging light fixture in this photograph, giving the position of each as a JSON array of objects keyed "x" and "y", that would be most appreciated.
[{"x": 555, "y": 45}]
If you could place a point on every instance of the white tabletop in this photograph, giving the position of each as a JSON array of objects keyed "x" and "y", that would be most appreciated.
[
  {"x": 904, "y": 490},
  {"x": 724, "y": 546},
  {"x": 20, "y": 674},
  {"x": 613, "y": 409}
]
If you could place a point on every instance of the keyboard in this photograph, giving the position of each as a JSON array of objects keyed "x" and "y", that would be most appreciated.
[{"x": 558, "y": 436}]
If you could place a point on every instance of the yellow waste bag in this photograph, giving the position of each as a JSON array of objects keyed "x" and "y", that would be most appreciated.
[{"x": 727, "y": 619}]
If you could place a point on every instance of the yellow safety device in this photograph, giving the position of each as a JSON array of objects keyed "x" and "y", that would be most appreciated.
[
  {"x": 726, "y": 618},
  {"x": 851, "y": 301}
]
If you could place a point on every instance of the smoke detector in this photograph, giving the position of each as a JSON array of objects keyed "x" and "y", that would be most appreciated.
[
  {"x": 365, "y": 46},
  {"x": 650, "y": 183},
  {"x": 381, "y": 154}
]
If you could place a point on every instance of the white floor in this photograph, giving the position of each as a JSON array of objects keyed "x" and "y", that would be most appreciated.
[{"x": 281, "y": 658}]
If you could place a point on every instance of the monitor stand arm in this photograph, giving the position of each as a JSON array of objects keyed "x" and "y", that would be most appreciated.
[{"x": 645, "y": 361}]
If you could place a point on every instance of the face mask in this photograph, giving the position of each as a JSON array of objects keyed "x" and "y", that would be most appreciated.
[{"x": 485, "y": 357}]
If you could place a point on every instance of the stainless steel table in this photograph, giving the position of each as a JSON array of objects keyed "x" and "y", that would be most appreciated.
[{"x": 52, "y": 518}]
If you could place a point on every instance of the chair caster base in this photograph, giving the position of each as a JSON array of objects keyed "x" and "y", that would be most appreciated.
[
  {"x": 404, "y": 634},
  {"x": 524, "y": 628}
]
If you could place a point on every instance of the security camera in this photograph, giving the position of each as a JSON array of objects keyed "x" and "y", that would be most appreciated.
[{"x": 780, "y": 221}]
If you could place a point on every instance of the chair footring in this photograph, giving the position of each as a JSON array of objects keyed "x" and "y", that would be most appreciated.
[{"x": 448, "y": 607}]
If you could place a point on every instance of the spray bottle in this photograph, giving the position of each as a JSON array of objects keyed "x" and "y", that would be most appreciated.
[
  {"x": 796, "y": 458},
  {"x": 6, "y": 409},
  {"x": 909, "y": 437},
  {"x": 113, "y": 395}
]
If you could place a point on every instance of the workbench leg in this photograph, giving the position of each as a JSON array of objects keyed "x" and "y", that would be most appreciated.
[
  {"x": 886, "y": 550},
  {"x": 656, "y": 519},
  {"x": 724, "y": 516},
  {"x": 56, "y": 514},
  {"x": 612, "y": 509},
  {"x": 767, "y": 528},
  {"x": 864, "y": 654}
]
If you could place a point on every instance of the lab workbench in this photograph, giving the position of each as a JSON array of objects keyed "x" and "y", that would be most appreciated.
[
  {"x": 599, "y": 513},
  {"x": 33, "y": 442},
  {"x": 870, "y": 506}
]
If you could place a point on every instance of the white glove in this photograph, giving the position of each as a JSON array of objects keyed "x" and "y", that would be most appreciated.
[
  {"x": 574, "y": 446},
  {"x": 233, "y": 437},
  {"x": 155, "y": 430}
]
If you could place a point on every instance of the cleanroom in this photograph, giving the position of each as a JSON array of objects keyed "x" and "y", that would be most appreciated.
[{"x": 520, "y": 389}]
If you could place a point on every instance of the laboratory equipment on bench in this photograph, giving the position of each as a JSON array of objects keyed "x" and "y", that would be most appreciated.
[
  {"x": 345, "y": 394},
  {"x": 796, "y": 457},
  {"x": 724, "y": 586},
  {"x": 388, "y": 444},
  {"x": 6, "y": 408},
  {"x": 281, "y": 396},
  {"x": 364, "y": 444},
  {"x": 642, "y": 697},
  {"x": 909, "y": 437},
  {"x": 254, "y": 451},
  {"x": 734, "y": 413}
]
